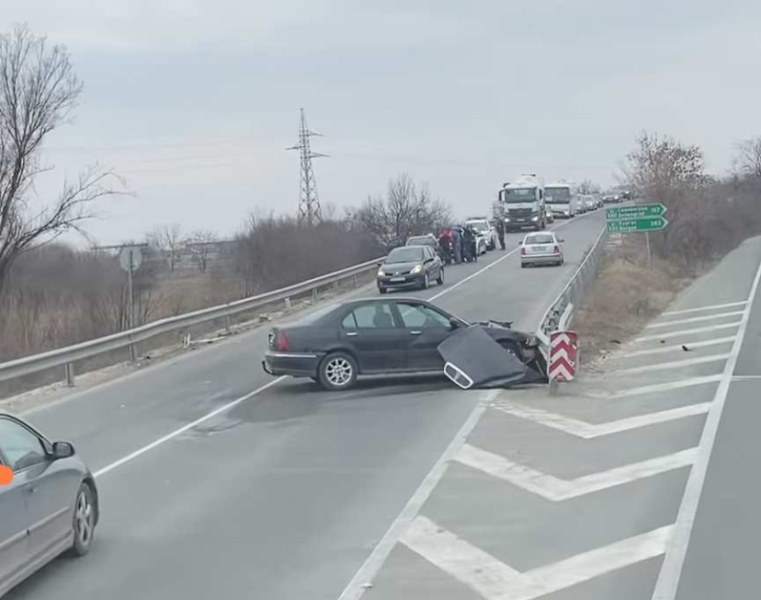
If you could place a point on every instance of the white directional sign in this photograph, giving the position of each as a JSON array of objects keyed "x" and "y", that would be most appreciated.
[{"x": 130, "y": 258}]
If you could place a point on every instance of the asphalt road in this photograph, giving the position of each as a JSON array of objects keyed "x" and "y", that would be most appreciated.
[{"x": 284, "y": 494}]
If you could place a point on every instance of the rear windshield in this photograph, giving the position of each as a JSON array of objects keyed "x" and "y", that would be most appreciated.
[
  {"x": 540, "y": 239},
  {"x": 420, "y": 241},
  {"x": 408, "y": 254}
]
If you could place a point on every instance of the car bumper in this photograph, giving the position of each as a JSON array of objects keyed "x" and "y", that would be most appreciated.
[
  {"x": 541, "y": 259},
  {"x": 404, "y": 281},
  {"x": 521, "y": 223},
  {"x": 291, "y": 363}
]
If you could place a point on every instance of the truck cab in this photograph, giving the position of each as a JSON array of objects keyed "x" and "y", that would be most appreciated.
[
  {"x": 562, "y": 199},
  {"x": 522, "y": 203}
]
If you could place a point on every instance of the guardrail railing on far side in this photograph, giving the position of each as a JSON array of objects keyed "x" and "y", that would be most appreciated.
[{"x": 68, "y": 356}]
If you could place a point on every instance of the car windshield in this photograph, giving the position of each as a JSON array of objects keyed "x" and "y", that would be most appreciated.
[
  {"x": 406, "y": 254},
  {"x": 520, "y": 194},
  {"x": 557, "y": 195},
  {"x": 541, "y": 238},
  {"x": 481, "y": 225}
]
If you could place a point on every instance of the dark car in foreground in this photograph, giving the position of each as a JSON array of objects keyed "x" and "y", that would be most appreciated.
[
  {"x": 49, "y": 507},
  {"x": 377, "y": 336},
  {"x": 410, "y": 267}
]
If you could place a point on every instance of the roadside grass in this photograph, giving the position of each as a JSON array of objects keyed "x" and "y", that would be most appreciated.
[{"x": 625, "y": 296}]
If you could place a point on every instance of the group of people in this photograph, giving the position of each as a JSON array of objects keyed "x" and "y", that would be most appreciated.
[{"x": 458, "y": 243}]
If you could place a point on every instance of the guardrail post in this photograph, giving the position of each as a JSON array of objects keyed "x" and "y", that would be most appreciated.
[
  {"x": 355, "y": 280},
  {"x": 133, "y": 352},
  {"x": 288, "y": 304},
  {"x": 69, "y": 369},
  {"x": 314, "y": 295},
  {"x": 228, "y": 324}
]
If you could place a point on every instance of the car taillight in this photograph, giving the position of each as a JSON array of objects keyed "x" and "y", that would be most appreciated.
[
  {"x": 557, "y": 250},
  {"x": 281, "y": 342}
]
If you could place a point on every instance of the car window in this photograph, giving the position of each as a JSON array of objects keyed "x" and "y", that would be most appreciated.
[
  {"x": 405, "y": 254},
  {"x": 540, "y": 239},
  {"x": 377, "y": 315},
  {"x": 420, "y": 316},
  {"x": 21, "y": 447}
]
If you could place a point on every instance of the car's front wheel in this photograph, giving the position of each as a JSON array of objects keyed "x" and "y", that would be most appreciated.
[
  {"x": 84, "y": 520},
  {"x": 338, "y": 371},
  {"x": 382, "y": 290},
  {"x": 440, "y": 278},
  {"x": 426, "y": 282}
]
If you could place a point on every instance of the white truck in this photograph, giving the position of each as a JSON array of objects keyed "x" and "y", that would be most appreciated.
[
  {"x": 521, "y": 203},
  {"x": 563, "y": 199}
]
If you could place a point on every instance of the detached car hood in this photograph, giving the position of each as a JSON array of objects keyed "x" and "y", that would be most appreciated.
[{"x": 474, "y": 359}]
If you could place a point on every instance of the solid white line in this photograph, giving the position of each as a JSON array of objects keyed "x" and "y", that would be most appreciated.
[
  {"x": 495, "y": 580},
  {"x": 671, "y": 570},
  {"x": 556, "y": 489},
  {"x": 594, "y": 563},
  {"x": 586, "y": 430},
  {"x": 470, "y": 565},
  {"x": 183, "y": 429},
  {"x": 702, "y": 308},
  {"x": 660, "y": 387},
  {"x": 378, "y": 556},
  {"x": 664, "y": 366},
  {"x": 676, "y": 347},
  {"x": 673, "y": 334},
  {"x": 694, "y": 319}
]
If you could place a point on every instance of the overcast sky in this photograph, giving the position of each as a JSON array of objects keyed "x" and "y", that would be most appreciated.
[{"x": 195, "y": 101}]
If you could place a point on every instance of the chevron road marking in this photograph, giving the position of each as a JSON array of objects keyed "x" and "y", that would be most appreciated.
[
  {"x": 656, "y": 388},
  {"x": 660, "y": 324},
  {"x": 495, "y": 580},
  {"x": 702, "y": 308},
  {"x": 673, "y": 334},
  {"x": 586, "y": 430},
  {"x": 672, "y": 365},
  {"x": 677, "y": 347},
  {"x": 556, "y": 489}
]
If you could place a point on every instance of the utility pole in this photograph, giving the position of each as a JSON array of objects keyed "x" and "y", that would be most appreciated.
[{"x": 309, "y": 204}]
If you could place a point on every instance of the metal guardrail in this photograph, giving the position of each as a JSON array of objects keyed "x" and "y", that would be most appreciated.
[
  {"x": 573, "y": 293},
  {"x": 66, "y": 357}
]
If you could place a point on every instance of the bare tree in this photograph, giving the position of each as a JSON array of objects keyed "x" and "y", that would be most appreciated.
[
  {"x": 748, "y": 158},
  {"x": 201, "y": 245},
  {"x": 168, "y": 238},
  {"x": 404, "y": 212},
  {"x": 589, "y": 187},
  {"x": 38, "y": 90}
]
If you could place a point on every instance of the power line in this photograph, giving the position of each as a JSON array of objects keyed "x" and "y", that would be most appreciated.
[{"x": 309, "y": 203}]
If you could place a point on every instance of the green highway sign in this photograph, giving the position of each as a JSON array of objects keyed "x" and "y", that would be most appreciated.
[
  {"x": 632, "y": 225},
  {"x": 637, "y": 211}
]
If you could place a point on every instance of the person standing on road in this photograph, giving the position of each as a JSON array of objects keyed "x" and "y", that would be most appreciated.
[
  {"x": 469, "y": 244},
  {"x": 501, "y": 233},
  {"x": 457, "y": 237}
]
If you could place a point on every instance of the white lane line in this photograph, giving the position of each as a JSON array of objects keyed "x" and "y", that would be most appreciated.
[
  {"x": 474, "y": 567},
  {"x": 660, "y": 324},
  {"x": 671, "y": 570},
  {"x": 676, "y": 364},
  {"x": 702, "y": 308},
  {"x": 378, "y": 556},
  {"x": 556, "y": 489},
  {"x": 495, "y": 580},
  {"x": 673, "y": 334},
  {"x": 587, "y": 431},
  {"x": 659, "y": 387},
  {"x": 677, "y": 347},
  {"x": 183, "y": 429}
]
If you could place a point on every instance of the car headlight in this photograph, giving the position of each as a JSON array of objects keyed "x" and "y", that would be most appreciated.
[
  {"x": 535, "y": 218},
  {"x": 507, "y": 219},
  {"x": 381, "y": 273},
  {"x": 417, "y": 269}
]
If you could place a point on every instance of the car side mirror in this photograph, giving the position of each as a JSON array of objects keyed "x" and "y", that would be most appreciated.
[
  {"x": 62, "y": 450},
  {"x": 561, "y": 240},
  {"x": 454, "y": 324}
]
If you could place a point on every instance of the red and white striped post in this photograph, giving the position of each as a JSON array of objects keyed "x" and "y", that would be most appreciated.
[{"x": 564, "y": 351}]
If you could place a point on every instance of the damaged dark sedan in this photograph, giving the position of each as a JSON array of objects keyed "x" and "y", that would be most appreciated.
[{"x": 339, "y": 343}]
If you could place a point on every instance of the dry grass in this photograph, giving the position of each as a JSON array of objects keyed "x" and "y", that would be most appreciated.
[{"x": 626, "y": 295}]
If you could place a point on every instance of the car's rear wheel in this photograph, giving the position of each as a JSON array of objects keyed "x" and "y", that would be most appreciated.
[
  {"x": 338, "y": 371},
  {"x": 440, "y": 278},
  {"x": 83, "y": 520}
]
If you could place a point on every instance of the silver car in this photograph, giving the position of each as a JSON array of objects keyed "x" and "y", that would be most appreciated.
[
  {"x": 541, "y": 248},
  {"x": 49, "y": 507}
]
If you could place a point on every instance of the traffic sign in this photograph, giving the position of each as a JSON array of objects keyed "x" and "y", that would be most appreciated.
[
  {"x": 130, "y": 258},
  {"x": 563, "y": 353},
  {"x": 642, "y": 224},
  {"x": 637, "y": 211}
]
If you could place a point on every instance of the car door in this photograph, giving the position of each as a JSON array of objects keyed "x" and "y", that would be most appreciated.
[
  {"x": 14, "y": 531},
  {"x": 48, "y": 488},
  {"x": 372, "y": 332},
  {"x": 425, "y": 328}
]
